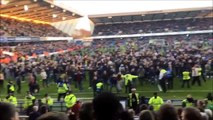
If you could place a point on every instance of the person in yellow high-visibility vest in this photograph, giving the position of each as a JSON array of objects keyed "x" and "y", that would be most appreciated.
[
  {"x": 201, "y": 73},
  {"x": 62, "y": 90},
  {"x": 128, "y": 81},
  {"x": 188, "y": 102},
  {"x": 47, "y": 100},
  {"x": 70, "y": 100},
  {"x": 186, "y": 78},
  {"x": 134, "y": 100},
  {"x": 29, "y": 101},
  {"x": 156, "y": 102},
  {"x": 99, "y": 87},
  {"x": 10, "y": 87},
  {"x": 11, "y": 99}
]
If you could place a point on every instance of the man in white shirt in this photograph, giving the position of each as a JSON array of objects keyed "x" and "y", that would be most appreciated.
[
  {"x": 44, "y": 78},
  {"x": 195, "y": 75},
  {"x": 162, "y": 79}
]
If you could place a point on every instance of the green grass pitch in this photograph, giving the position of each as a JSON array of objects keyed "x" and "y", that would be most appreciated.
[{"x": 146, "y": 90}]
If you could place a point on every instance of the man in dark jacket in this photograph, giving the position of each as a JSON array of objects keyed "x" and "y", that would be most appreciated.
[{"x": 35, "y": 114}]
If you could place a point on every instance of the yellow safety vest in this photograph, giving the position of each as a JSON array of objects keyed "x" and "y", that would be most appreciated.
[
  {"x": 186, "y": 75},
  {"x": 163, "y": 71},
  {"x": 12, "y": 88},
  {"x": 12, "y": 100},
  {"x": 128, "y": 78},
  {"x": 70, "y": 100},
  {"x": 199, "y": 71},
  {"x": 28, "y": 101},
  {"x": 63, "y": 88},
  {"x": 188, "y": 104},
  {"x": 99, "y": 85},
  {"x": 156, "y": 102},
  {"x": 48, "y": 101}
]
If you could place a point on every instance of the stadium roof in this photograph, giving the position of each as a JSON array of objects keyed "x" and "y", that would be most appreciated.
[
  {"x": 37, "y": 10},
  {"x": 103, "y": 7},
  {"x": 154, "y": 16},
  {"x": 117, "y": 11}
]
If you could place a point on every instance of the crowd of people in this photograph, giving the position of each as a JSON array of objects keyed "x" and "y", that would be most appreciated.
[
  {"x": 12, "y": 27},
  {"x": 38, "y": 47},
  {"x": 122, "y": 63},
  {"x": 106, "y": 106},
  {"x": 111, "y": 65},
  {"x": 126, "y": 63},
  {"x": 154, "y": 27}
]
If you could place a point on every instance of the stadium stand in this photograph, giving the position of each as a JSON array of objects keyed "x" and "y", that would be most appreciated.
[
  {"x": 154, "y": 27},
  {"x": 12, "y": 27}
]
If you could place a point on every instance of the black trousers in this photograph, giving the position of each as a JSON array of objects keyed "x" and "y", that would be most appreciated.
[
  {"x": 185, "y": 82},
  {"x": 196, "y": 79},
  {"x": 18, "y": 83},
  {"x": 61, "y": 95},
  {"x": 1, "y": 85},
  {"x": 163, "y": 85},
  {"x": 170, "y": 83},
  {"x": 128, "y": 87},
  {"x": 135, "y": 107},
  {"x": 141, "y": 80},
  {"x": 203, "y": 77},
  {"x": 45, "y": 83}
]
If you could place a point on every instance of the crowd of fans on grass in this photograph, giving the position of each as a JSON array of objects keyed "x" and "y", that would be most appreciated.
[{"x": 107, "y": 64}]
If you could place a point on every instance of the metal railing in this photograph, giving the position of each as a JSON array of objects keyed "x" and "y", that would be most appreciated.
[
  {"x": 60, "y": 106},
  {"x": 57, "y": 106}
]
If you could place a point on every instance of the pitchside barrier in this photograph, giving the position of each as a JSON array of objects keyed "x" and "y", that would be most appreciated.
[{"x": 60, "y": 106}]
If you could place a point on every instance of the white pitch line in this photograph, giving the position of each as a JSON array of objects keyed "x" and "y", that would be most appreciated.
[
  {"x": 171, "y": 91},
  {"x": 179, "y": 91}
]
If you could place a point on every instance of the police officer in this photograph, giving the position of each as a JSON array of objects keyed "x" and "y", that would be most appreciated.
[
  {"x": 186, "y": 78},
  {"x": 99, "y": 87},
  {"x": 11, "y": 99},
  {"x": 10, "y": 87},
  {"x": 62, "y": 90},
  {"x": 128, "y": 81},
  {"x": 188, "y": 102},
  {"x": 156, "y": 102},
  {"x": 70, "y": 100},
  {"x": 134, "y": 100},
  {"x": 29, "y": 102},
  {"x": 201, "y": 73},
  {"x": 47, "y": 100}
]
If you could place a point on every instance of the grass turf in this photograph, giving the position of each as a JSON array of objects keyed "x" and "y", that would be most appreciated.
[{"x": 146, "y": 90}]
